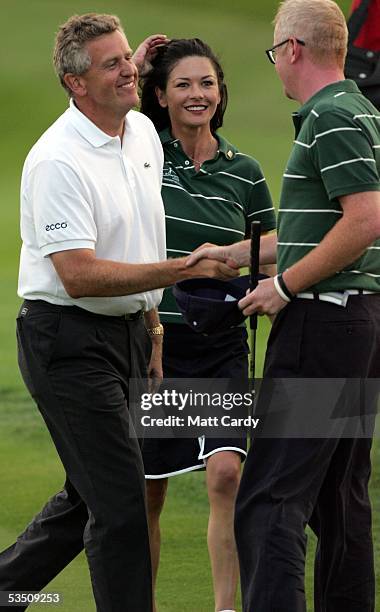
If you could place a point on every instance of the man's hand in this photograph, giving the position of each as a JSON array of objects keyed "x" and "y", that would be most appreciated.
[
  {"x": 234, "y": 255},
  {"x": 155, "y": 372},
  {"x": 263, "y": 300},
  {"x": 212, "y": 268},
  {"x": 147, "y": 51}
]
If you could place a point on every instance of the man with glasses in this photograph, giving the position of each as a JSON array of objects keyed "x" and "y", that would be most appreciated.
[
  {"x": 271, "y": 53},
  {"x": 326, "y": 298}
]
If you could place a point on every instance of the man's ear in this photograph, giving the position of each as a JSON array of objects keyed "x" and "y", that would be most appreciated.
[
  {"x": 76, "y": 84},
  {"x": 296, "y": 50},
  {"x": 161, "y": 97}
]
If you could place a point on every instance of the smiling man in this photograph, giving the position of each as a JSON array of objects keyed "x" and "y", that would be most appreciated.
[{"x": 92, "y": 224}]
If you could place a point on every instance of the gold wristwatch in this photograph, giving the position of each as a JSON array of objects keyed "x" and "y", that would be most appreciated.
[{"x": 158, "y": 330}]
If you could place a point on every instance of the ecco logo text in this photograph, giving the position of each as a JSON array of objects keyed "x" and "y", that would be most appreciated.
[{"x": 55, "y": 226}]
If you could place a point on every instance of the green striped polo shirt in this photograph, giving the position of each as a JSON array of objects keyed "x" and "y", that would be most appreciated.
[
  {"x": 215, "y": 204},
  {"x": 336, "y": 152}
]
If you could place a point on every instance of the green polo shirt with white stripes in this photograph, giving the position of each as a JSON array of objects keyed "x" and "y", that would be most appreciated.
[
  {"x": 215, "y": 204},
  {"x": 336, "y": 152}
]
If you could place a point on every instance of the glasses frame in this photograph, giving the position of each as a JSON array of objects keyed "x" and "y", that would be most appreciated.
[{"x": 271, "y": 56}]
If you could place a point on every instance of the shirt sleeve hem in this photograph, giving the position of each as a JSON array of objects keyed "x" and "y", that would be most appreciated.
[
  {"x": 357, "y": 188},
  {"x": 66, "y": 245}
]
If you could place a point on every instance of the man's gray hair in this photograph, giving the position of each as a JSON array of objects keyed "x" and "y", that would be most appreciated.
[{"x": 70, "y": 53}]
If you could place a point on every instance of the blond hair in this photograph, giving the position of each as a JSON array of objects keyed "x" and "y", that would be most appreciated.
[
  {"x": 319, "y": 23},
  {"x": 70, "y": 53}
]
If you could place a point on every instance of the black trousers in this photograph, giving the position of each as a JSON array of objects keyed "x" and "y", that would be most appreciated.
[
  {"x": 289, "y": 483},
  {"x": 77, "y": 367}
]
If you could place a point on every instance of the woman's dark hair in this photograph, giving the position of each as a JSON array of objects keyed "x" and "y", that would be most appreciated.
[{"x": 167, "y": 57}]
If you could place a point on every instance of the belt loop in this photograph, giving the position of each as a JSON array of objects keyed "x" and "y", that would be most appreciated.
[{"x": 133, "y": 316}]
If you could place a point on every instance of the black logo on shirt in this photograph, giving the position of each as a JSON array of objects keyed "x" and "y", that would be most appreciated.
[{"x": 55, "y": 226}]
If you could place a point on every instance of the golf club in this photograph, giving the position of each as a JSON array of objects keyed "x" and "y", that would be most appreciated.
[{"x": 253, "y": 281}]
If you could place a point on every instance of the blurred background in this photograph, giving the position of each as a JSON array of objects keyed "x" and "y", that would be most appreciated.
[
  {"x": 257, "y": 118},
  {"x": 257, "y": 121}
]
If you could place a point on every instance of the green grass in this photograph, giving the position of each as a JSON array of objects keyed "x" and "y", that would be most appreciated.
[
  {"x": 29, "y": 477},
  {"x": 257, "y": 120}
]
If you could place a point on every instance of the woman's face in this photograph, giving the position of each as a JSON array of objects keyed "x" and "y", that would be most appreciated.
[{"x": 192, "y": 93}]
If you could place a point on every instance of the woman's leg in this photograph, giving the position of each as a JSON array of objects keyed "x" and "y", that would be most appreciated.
[
  {"x": 155, "y": 494},
  {"x": 223, "y": 477}
]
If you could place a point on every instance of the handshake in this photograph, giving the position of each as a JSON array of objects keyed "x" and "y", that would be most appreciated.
[
  {"x": 223, "y": 262},
  {"x": 233, "y": 256}
]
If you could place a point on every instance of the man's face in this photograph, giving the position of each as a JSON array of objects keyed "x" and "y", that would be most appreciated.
[{"x": 111, "y": 81}]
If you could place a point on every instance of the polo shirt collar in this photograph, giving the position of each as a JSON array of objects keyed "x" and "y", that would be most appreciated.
[
  {"x": 228, "y": 150},
  {"x": 346, "y": 86},
  {"x": 87, "y": 128}
]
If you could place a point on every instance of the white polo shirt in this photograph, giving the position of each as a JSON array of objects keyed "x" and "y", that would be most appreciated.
[{"x": 81, "y": 189}]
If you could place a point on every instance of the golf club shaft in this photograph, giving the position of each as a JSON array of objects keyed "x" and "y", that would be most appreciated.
[{"x": 253, "y": 281}]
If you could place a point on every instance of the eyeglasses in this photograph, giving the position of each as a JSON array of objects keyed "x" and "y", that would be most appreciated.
[{"x": 271, "y": 53}]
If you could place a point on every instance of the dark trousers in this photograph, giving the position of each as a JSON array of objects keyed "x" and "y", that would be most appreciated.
[
  {"x": 187, "y": 354},
  {"x": 77, "y": 367},
  {"x": 289, "y": 483}
]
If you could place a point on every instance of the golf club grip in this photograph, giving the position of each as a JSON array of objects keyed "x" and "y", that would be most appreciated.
[{"x": 254, "y": 263}]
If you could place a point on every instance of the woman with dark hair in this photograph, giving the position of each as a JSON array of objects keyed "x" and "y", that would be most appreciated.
[{"x": 211, "y": 193}]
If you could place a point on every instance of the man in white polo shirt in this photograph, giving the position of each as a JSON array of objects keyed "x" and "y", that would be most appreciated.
[{"x": 93, "y": 233}]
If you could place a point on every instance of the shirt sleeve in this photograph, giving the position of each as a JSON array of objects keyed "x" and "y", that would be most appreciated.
[
  {"x": 62, "y": 213},
  {"x": 343, "y": 155}
]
